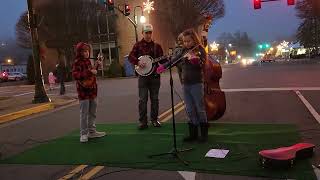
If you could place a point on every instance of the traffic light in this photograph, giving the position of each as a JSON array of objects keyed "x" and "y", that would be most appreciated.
[
  {"x": 257, "y": 4},
  {"x": 290, "y": 2},
  {"x": 110, "y": 5},
  {"x": 126, "y": 11}
]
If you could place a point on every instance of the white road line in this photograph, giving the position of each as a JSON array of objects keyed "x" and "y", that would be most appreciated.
[
  {"x": 273, "y": 89},
  {"x": 27, "y": 93},
  {"x": 316, "y": 171},
  {"x": 308, "y": 106},
  {"x": 238, "y": 90},
  {"x": 188, "y": 175},
  {"x": 23, "y": 94}
]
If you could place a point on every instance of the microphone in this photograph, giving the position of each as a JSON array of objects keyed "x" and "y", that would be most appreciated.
[{"x": 175, "y": 58}]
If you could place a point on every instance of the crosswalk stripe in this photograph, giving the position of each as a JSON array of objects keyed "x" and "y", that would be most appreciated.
[
  {"x": 73, "y": 172},
  {"x": 169, "y": 110},
  {"x": 91, "y": 173},
  {"x": 309, "y": 107},
  {"x": 175, "y": 113}
]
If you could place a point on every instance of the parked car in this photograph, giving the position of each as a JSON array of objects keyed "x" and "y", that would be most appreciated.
[
  {"x": 16, "y": 76},
  {"x": 268, "y": 58},
  {"x": 3, "y": 76}
]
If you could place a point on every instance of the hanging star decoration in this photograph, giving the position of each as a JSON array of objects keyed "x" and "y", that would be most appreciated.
[
  {"x": 284, "y": 44},
  {"x": 214, "y": 46},
  {"x": 148, "y": 6}
]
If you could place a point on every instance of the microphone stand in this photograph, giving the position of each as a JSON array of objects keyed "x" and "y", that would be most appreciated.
[{"x": 174, "y": 152}]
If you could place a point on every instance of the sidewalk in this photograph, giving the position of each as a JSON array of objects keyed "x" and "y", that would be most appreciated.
[{"x": 12, "y": 108}]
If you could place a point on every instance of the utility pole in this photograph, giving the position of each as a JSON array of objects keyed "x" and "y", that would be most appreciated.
[
  {"x": 40, "y": 95},
  {"x": 100, "y": 46},
  {"x": 108, "y": 34}
]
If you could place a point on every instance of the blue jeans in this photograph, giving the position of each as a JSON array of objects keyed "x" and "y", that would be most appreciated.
[
  {"x": 194, "y": 102},
  {"x": 88, "y": 110}
]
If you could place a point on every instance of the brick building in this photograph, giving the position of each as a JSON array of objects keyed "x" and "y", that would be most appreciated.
[{"x": 121, "y": 36}]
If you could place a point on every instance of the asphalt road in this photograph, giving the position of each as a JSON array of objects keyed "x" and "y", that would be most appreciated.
[{"x": 270, "y": 93}]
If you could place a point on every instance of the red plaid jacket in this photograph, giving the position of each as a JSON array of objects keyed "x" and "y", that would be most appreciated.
[
  {"x": 80, "y": 71},
  {"x": 145, "y": 48}
]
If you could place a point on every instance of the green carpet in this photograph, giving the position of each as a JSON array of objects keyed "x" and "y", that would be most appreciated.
[{"x": 125, "y": 146}]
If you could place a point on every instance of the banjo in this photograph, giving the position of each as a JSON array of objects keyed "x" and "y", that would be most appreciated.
[{"x": 149, "y": 67}]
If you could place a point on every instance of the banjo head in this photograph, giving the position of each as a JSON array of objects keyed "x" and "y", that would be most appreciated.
[{"x": 145, "y": 71}]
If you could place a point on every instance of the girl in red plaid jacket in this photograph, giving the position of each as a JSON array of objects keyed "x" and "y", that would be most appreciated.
[{"x": 82, "y": 70}]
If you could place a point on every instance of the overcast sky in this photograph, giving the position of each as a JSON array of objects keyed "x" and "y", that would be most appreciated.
[{"x": 274, "y": 20}]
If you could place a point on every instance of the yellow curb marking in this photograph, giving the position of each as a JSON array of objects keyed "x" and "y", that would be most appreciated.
[
  {"x": 175, "y": 113},
  {"x": 91, "y": 173},
  {"x": 73, "y": 172},
  {"x": 166, "y": 113},
  {"x": 26, "y": 112}
]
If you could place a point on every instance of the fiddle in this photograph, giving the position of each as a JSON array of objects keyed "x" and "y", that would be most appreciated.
[{"x": 90, "y": 82}]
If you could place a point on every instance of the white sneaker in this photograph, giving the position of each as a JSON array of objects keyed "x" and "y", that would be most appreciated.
[
  {"x": 96, "y": 134},
  {"x": 84, "y": 138}
]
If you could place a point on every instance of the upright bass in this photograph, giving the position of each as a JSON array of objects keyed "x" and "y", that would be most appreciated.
[{"x": 214, "y": 98}]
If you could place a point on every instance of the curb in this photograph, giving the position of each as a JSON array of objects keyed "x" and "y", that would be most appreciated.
[{"x": 27, "y": 112}]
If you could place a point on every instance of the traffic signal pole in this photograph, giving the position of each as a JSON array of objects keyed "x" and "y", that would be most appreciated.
[
  {"x": 135, "y": 28},
  {"x": 126, "y": 12}
]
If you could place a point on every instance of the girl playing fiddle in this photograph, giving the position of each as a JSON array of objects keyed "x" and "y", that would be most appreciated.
[{"x": 192, "y": 81}]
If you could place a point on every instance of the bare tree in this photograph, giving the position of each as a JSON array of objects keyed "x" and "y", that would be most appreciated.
[
  {"x": 62, "y": 23},
  {"x": 23, "y": 32},
  {"x": 183, "y": 14},
  {"x": 308, "y": 32}
]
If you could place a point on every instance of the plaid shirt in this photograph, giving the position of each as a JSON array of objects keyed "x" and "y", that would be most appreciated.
[
  {"x": 81, "y": 71},
  {"x": 142, "y": 48}
]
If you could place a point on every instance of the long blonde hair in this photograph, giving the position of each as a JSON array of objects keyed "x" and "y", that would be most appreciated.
[
  {"x": 193, "y": 35},
  {"x": 180, "y": 40}
]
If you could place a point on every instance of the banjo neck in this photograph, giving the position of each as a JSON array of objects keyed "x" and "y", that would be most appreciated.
[{"x": 159, "y": 59}]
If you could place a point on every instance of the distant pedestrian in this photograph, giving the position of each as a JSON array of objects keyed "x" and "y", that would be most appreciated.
[
  {"x": 52, "y": 81},
  {"x": 61, "y": 74}
]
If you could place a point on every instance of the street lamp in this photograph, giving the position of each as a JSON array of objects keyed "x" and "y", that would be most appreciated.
[
  {"x": 230, "y": 45},
  {"x": 9, "y": 61},
  {"x": 143, "y": 19}
]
